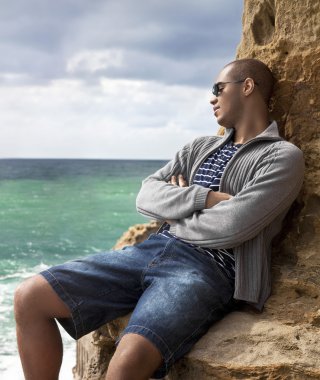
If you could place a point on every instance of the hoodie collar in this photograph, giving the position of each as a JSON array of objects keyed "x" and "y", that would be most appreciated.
[{"x": 271, "y": 132}]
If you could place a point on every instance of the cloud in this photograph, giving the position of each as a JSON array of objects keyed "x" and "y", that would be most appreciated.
[
  {"x": 69, "y": 119},
  {"x": 93, "y": 61},
  {"x": 110, "y": 79},
  {"x": 135, "y": 65},
  {"x": 46, "y": 37}
]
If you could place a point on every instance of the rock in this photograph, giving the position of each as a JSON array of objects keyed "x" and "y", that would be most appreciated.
[
  {"x": 283, "y": 341},
  {"x": 285, "y": 35},
  {"x": 249, "y": 346},
  {"x": 136, "y": 234}
]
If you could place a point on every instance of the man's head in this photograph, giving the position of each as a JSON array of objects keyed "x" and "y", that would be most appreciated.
[{"x": 241, "y": 85}]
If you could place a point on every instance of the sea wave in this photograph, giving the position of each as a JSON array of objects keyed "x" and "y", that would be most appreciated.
[{"x": 23, "y": 273}]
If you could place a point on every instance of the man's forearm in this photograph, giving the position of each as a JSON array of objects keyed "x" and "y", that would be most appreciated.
[{"x": 213, "y": 197}]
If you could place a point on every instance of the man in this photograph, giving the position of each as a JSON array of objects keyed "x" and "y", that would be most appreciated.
[{"x": 222, "y": 200}]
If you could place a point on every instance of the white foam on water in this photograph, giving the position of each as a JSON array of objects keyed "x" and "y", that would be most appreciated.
[
  {"x": 10, "y": 366},
  {"x": 11, "y": 369},
  {"x": 24, "y": 273}
]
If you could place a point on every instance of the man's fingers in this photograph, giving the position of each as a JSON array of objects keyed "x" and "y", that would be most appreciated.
[
  {"x": 173, "y": 180},
  {"x": 182, "y": 181}
]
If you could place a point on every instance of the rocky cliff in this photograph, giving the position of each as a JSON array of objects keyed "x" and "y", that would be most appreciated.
[{"x": 283, "y": 341}]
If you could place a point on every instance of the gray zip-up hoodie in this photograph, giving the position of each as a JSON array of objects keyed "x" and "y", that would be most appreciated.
[{"x": 264, "y": 177}]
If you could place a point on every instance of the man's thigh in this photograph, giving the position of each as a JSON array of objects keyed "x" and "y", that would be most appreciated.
[
  {"x": 184, "y": 293},
  {"x": 101, "y": 287}
]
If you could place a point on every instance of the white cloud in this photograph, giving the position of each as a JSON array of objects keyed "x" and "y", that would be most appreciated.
[
  {"x": 90, "y": 36},
  {"x": 8, "y": 78},
  {"x": 94, "y": 60},
  {"x": 114, "y": 119},
  {"x": 110, "y": 79}
]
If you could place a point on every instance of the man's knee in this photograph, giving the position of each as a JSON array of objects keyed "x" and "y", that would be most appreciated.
[
  {"x": 137, "y": 351},
  {"x": 22, "y": 297},
  {"x": 35, "y": 296}
]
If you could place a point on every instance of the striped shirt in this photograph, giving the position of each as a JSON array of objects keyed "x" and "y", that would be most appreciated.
[{"x": 209, "y": 175}]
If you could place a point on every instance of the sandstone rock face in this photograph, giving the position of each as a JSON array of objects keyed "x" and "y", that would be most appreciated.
[
  {"x": 285, "y": 35},
  {"x": 283, "y": 341},
  {"x": 136, "y": 234},
  {"x": 247, "y": 346}
]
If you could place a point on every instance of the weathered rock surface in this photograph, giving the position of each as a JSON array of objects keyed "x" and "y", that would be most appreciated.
[
  {"x": 283, "y": 341},
  {"x": 137, "y": 233},
  {"x": 247, "y": 346}
]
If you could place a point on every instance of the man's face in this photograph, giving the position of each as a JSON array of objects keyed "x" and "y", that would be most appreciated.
[{"x": 227, "y": 104}]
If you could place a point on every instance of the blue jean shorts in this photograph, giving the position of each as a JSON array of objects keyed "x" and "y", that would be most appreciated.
[{"x": 174, "y": 293}]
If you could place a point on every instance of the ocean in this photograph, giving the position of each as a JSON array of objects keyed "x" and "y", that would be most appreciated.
[{"x": 54, "y": 210}]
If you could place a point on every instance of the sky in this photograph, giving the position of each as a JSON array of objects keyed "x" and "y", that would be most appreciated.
[{"x": 110, "y": 79}]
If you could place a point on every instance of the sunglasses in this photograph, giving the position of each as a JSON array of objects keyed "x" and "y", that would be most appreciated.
[{"x": 216, "y": 87}]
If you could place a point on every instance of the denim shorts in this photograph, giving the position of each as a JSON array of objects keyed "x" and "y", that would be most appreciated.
[{"x": 174, "y": 293}]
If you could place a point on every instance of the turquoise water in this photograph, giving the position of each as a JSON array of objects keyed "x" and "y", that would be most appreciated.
[{"x": 56, "y": 210}]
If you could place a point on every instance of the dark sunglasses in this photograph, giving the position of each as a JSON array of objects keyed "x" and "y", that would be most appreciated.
[{"x": 216, "y": 87}]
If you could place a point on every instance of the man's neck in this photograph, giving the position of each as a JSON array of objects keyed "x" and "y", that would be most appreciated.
[{"x": 249, "y": 128}]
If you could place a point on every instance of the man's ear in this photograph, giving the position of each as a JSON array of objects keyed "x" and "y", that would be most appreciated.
[{"x": 248, "y": 86}]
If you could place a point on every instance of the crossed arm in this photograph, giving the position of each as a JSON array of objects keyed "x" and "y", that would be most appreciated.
[
  {"x": 218, "y": 220},
  {"x": 213, "y": 197}
]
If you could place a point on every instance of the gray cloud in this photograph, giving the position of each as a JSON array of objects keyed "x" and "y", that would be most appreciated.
[{"x": 174, "y": 42}]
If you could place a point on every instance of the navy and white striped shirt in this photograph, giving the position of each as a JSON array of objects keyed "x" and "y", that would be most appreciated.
[{"x": 209, "y": 175}]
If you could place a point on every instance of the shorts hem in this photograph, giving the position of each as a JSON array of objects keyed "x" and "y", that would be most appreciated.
[
  {"x": 162, "y": 371},
  {"x": 74, "y": 327}
]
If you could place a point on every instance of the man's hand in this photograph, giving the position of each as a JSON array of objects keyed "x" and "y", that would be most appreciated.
[
  {"x": 181, "y": 181},
  {"x": 214, "y": 197}
]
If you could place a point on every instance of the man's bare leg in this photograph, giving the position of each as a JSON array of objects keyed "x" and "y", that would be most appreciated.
[
  {"x": 40, "y": 344},
  {"x": 136, "y": 358},
  {"x": 39, "y": 341}
]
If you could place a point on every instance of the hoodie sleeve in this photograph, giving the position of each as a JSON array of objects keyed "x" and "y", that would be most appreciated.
[
  {"x": 161, "y": 200},
  {"x": 269, "y": 193}
]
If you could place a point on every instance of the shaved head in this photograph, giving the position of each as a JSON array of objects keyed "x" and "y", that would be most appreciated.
[{"x": 256, "y": 70}]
